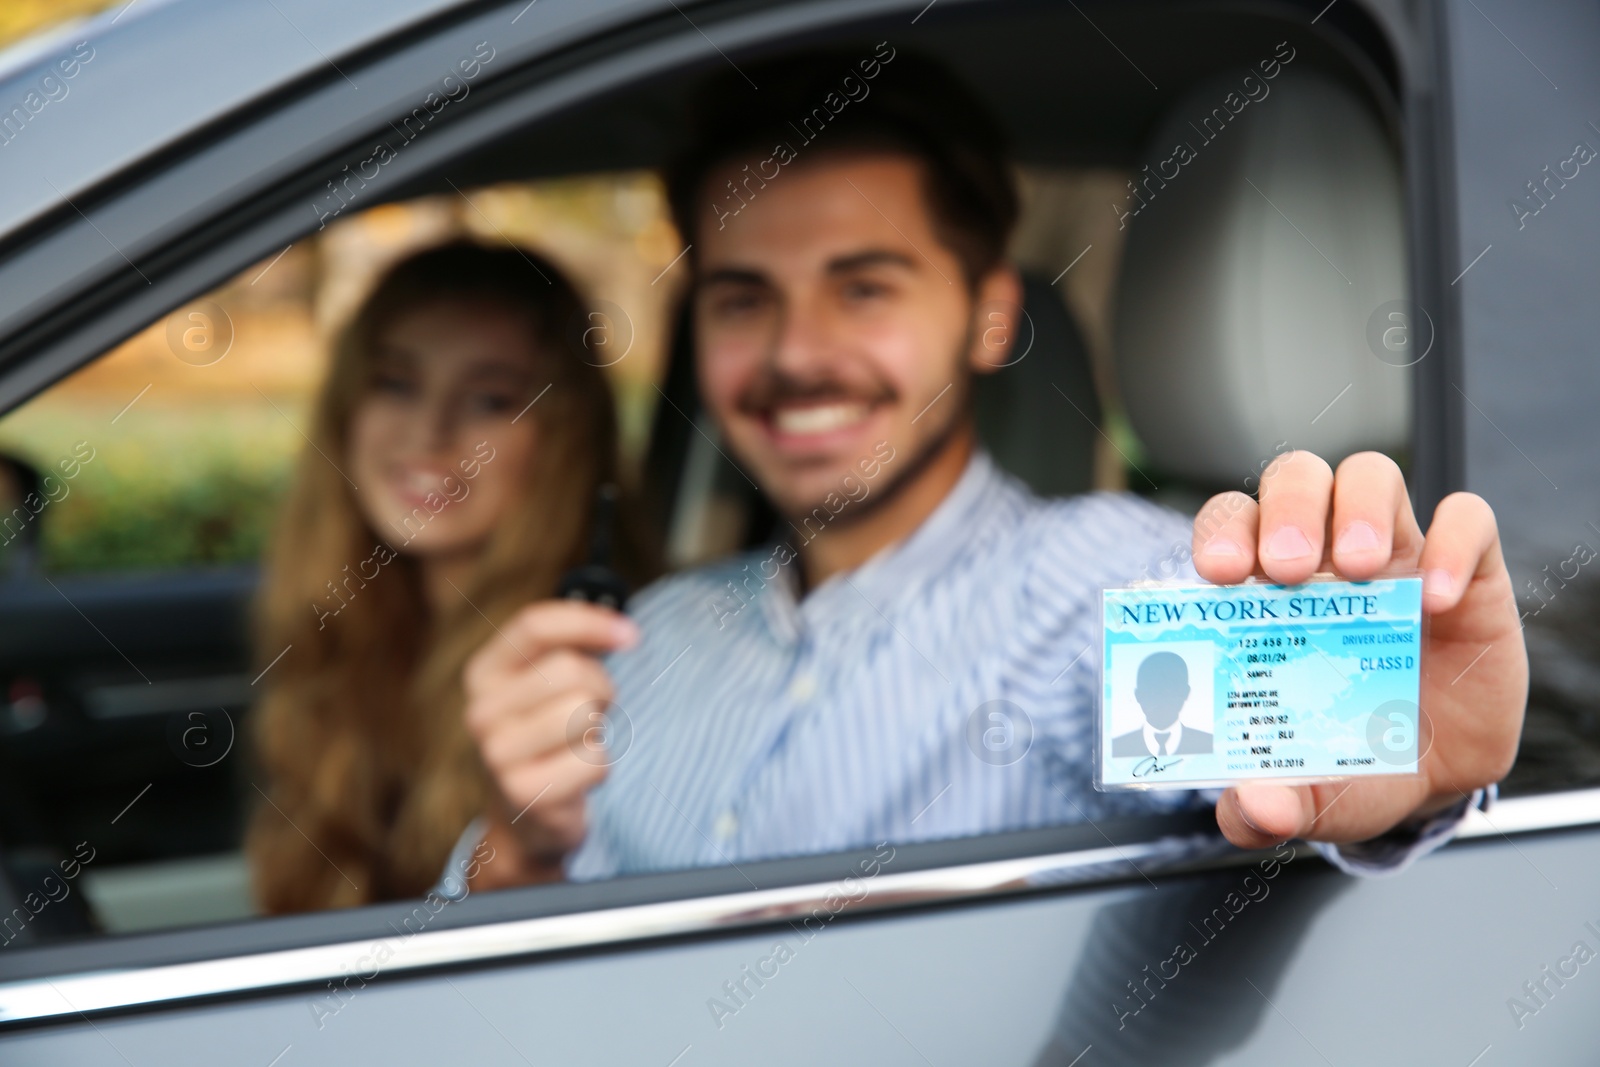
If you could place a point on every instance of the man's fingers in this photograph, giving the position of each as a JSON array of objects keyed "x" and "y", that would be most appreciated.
[
  {"x": 1225, "y": 538},
  {"x": 547, "y": 805},
  {"x": 564, "y": 721},
  {"x": 553, "y": 673},
  {"x": 1463, "y": 543},
  {"x": 1295, "y": 492},
  {"x": 1260, "y": 814},
  {"x": 1372, "y": 520},
  {"x": 536, "y": 790},
  {"x": 536, "y": 703},
  {"x": 541, "y": 627},
  {"x": 1361, "y": 522}
]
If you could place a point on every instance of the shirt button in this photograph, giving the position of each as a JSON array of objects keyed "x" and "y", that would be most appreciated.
[
  {"x": 726, "y": 826},
  {"x": 802, "y": 689}
]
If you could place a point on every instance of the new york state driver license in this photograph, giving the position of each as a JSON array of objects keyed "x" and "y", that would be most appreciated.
[{"x": 1206, "y": 685}]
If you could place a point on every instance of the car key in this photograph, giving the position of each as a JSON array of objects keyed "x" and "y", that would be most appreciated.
[{"x": 596, "y": 581}]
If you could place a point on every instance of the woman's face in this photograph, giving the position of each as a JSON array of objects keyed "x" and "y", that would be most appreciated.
[{"x": 441, "y": 441}]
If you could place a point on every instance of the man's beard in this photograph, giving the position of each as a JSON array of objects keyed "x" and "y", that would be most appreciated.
[
  {"x": 905, "y": 474},
  {"x": 894, "y": 477},
  {"x": 774, "y": 386}
]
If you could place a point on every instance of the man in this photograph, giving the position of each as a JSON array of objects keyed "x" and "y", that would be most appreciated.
[
  {"x": 848, "y": 225},
  {"x": 1161, "y": 690}
]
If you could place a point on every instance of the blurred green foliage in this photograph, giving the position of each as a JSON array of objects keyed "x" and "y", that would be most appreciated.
[
  {"x": 174, "y": 487},
  {"x": 141, "y": 519}
]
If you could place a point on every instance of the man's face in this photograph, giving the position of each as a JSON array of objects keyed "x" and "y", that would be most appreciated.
[{"x": 829, "y": 318}]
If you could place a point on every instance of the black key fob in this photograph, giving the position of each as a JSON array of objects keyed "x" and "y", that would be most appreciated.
[{"x": 595, "y": 582}]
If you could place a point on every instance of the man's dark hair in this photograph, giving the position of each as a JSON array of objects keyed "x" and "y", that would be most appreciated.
[{"x": 862, "y": 100}]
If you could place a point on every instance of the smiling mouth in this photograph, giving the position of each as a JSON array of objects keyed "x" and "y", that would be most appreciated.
[
  {"x": 805, "y": 420},
  {"x": 415, "y": 485}
]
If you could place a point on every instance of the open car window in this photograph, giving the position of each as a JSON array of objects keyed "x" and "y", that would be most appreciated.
[
  {"x": 168, "y": 392},
  {"x": 147, "y": 485}
]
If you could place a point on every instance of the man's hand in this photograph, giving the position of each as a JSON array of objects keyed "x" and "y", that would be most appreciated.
[
  {"x": 534, "y": 696},
  {"x": 1359, "y": 524}
]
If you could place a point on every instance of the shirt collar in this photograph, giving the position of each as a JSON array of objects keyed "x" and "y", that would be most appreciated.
[{"x": 897, "y": 570}]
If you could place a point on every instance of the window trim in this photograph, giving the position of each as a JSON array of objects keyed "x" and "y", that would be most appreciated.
[{"x": 89, "y": 992}]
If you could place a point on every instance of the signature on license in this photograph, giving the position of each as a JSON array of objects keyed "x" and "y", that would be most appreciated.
[{"x": 1154, "y": 765}]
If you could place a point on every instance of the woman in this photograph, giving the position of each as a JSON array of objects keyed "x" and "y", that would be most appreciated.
[{"x": 457, "y": 449}]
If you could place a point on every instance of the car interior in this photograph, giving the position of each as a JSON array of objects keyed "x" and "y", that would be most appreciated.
[{"x": 1175, "y": 328}]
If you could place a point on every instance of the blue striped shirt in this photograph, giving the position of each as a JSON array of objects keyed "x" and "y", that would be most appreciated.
[{"x": 945, "y": 688}]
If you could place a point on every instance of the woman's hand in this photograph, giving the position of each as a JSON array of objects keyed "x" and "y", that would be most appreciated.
[
  {"x": 1359, "y": 524},
  {"x": 536, "y": 694}
]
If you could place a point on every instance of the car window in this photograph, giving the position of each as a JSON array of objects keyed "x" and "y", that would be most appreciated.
[
  {"x": 174, "y": 457},
  {"x": 161, "y": 470}
]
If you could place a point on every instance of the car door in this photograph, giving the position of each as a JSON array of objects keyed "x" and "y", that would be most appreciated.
[{"x": 1058, "y": 946}]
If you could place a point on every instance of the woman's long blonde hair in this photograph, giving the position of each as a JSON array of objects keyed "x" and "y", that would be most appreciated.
[{"x": 371, "y": 775}]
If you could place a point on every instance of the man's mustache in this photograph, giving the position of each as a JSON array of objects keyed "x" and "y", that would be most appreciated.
[{"x": 773, "y": 387}]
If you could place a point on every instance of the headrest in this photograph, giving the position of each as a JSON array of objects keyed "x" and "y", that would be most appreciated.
[
  {"x": 1039, "y": 415},
  {"x": 1261, "y": 244}
]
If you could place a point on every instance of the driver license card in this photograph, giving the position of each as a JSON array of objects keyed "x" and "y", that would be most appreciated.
[{"x": 1207, "y": 685}]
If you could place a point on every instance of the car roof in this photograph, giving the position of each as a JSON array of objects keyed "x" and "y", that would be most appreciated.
[
  {"x": 158, "y": 73},
  {"x": 165, "y": 70}
]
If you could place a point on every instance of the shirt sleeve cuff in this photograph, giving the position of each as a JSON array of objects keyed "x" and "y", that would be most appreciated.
[
  {"x": 452, "y": 883},
  {"x": 1402, "y": 846}
]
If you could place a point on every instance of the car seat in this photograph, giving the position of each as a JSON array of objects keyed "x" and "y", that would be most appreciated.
[{"x": 1262, "y": 297}]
